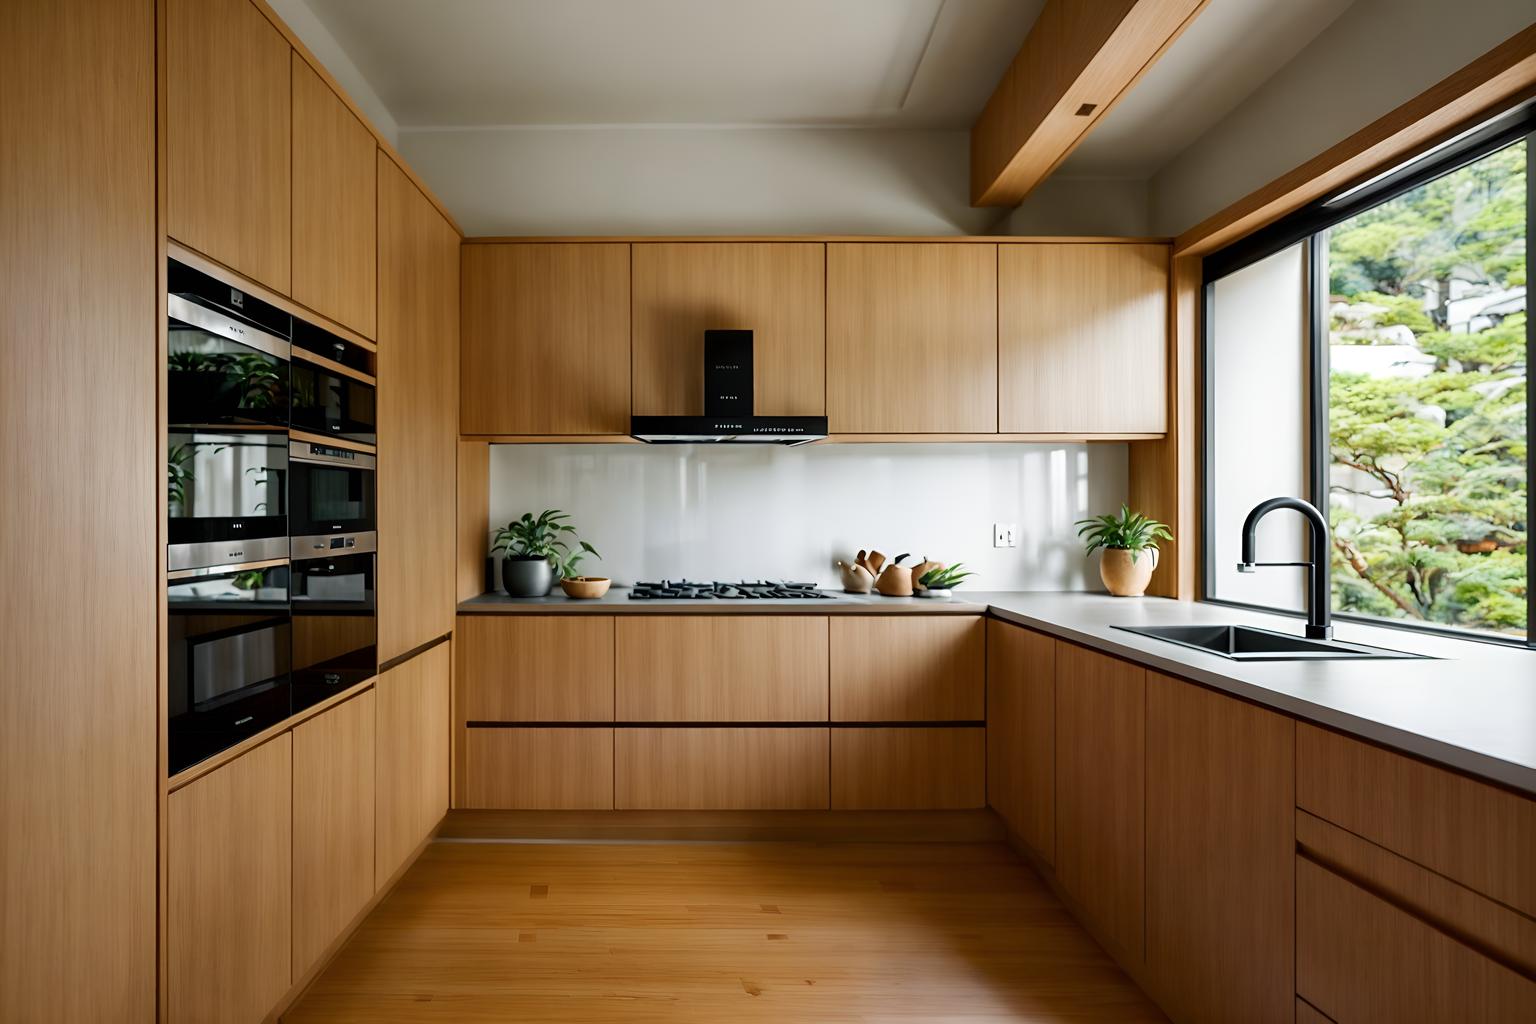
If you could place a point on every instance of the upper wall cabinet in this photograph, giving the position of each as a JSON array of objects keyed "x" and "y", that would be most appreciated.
[
  {"x": 774, "y": 289},
  {"x": 228, "y": 136},
  {"x": 418, "y": 385},
  {"x": 545, "y": 342},
  {"x": 335, "y": 191},
  {"x": 912, "y": 337},
  {"x": 1082, "y": 338}
]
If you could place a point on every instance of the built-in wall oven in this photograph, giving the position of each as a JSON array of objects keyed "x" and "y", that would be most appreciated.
[
  {"x": 331, "y": 499},
  {"x": 335, "y": 631},
  {"x": 333, "y": 386},
  {"x": 229, "y": 657}
]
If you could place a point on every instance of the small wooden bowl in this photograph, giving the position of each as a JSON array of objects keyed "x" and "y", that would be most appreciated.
[{"x": 586, "y": 587}]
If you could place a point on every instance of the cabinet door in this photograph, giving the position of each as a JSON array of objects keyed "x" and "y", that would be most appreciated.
[
  {"x": 912, "y": 337},
  {"x": 536, "y": 668},
  {"x": 333, "y": 766},
  {"x": 228, "y": 136},
  {"x": 411, "y": 777},
  {"x": 1221, "y": 842},
  {"x": 719, "y": 668},
  {"x": 546, "y": 339},
  {"x": 1082, "y": 338},
  {"x": 723, "y": 769},
  {"x": 908, "y": 668},
  {"x": 777, "y": 290},
  {"x": 1100, "y": 793},
  {"x": 417, "y": 396},
  {"x": 542, "y": 769},
  {"x": 879, "y": 768},
  {"x": 1021, "y": 733},
  {"x": 229, "y": 894},
  {"x": 335, "y": 200}
]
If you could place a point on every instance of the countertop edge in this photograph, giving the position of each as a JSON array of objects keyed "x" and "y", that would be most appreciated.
[{"x": 1470, "y": 762}]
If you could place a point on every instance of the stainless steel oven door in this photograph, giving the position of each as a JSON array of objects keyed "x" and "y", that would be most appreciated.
[
  {"x": 331, "y": 498},
  {"x": 221, "y": 371},
  {"x": 226, "y": 497}
]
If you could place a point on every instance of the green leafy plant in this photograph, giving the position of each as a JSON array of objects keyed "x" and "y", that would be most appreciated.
[
  {"x": 947, "y": 578},
  {"x": 178, "y": 474},
  {"x": 549, "y": 536},
  {"x": 1126, "y": 531}
]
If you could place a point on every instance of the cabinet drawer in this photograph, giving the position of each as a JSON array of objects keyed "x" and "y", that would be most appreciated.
[
  {"x": 895, "y": 769},
  {"x": 715, "y": 668},
  {"x": 536, "y": 668},
  {"x": 909, "y": 668},
  {"x": 548, "y": 769},
  {"x": 720, "y": 769},
  {"x": 1359, "y": 958},
  {"x": 1474, "y": 833}
]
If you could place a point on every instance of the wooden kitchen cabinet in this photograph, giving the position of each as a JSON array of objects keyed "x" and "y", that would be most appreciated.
[
  {"x": 1082, "y": 338},
  {"x": 908, "y": 668},
  {"x": 417, "y": 398},
  {"x": 777, "y": 290},
  {"x": 721, "y": 668},
  {"x": 229, "y": 136},
  {"x": 1021, "y": 733},
  {"x": 911, "y": 337},
  {"x": 335, "y": 205},
  {"x": 536, "y": 668},
  {"x": 229, "y": 895},
  {"x": 1220, "y": 850},
  {"x": 333, "y": 834},
  {"x": 880, "y": 768},
  {"x": 1100, "y": 793},
  {"x": 546, "y": 338},
  {"x": 726, "y": 768},
  {"x": 539, "y": 769},
  {"x": 411, "y": 748}
]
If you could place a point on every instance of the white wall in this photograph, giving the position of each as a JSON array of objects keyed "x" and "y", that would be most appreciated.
[
  {"x": 727, "y": 512},
  {"x": 1082, "y": 206},
  {"x": 314, "y": 34},
  {"x": 1376, "y": 56},
  {"x": 628, "y": 180}
]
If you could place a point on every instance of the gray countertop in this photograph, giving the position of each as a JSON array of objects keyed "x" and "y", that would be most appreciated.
[{"x": 1472, "y": 708}]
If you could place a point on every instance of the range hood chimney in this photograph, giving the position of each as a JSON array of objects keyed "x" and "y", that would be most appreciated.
[{"x": 728, "y": 417}]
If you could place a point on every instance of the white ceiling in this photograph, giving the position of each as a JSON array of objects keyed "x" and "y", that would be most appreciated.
[
  {"x": 1228, "y": 51},
  {"x": 892, "y": 63}
]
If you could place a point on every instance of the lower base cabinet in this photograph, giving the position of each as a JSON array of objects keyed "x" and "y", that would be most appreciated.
[
  {"x": 412, "y": 757},
  {"x": 333, "y": 801},
  {"x": 229, "y": 892},
  {"x": 540, "y": 768},
  {"x": 724, "y": 768},
  {"x": 886, "y": 768}
]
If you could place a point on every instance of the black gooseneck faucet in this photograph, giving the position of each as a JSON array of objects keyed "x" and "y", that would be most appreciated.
[{"x": 1319, "y": 624}]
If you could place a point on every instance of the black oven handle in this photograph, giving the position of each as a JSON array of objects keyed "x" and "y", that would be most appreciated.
[{"x": 321, "y": 455}]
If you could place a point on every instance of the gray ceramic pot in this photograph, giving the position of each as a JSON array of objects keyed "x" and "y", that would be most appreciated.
[{"x": 523, "y": 576}]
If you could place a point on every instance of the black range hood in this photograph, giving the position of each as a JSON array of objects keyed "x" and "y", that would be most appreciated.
[{"x": 728, "y": 417}]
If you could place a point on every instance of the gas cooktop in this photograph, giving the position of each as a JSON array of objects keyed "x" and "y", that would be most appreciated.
[{"x": 762, "y": 590}]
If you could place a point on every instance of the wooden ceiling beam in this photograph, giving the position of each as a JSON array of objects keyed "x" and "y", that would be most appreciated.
[{"x": 1080, "y": 57}]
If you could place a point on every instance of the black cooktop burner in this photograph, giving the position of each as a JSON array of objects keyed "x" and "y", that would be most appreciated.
[{"x": 761, "y": 590}]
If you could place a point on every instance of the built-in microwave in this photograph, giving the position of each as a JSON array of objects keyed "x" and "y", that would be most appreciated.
[
  {"x": 226, "y": 354},
  {"x": 335, "y": 630},
  {"x": 330, "y": 498},
  {"x": 226, "y": 497},
  {"x": 229, "y": 653},
  {"x": 333, "y": 387}
]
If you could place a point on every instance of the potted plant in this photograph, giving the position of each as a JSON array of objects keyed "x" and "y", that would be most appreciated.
[
  {"x": 940, "y": 580},
  {"x": 1129, "y": 542},
  {"x": 535, "y": 549}
]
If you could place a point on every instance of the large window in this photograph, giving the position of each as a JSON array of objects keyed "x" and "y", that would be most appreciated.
[{"x": 1371, "y": 354}]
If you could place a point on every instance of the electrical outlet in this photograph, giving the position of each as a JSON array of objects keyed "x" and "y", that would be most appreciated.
[{"x": 1002, "y": 534}]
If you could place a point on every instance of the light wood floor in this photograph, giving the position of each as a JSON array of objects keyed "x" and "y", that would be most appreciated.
[{"x": 721, "y": 933}]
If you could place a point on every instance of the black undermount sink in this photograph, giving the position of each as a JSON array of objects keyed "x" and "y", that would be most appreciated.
[{"x": 1248, "y": 643}]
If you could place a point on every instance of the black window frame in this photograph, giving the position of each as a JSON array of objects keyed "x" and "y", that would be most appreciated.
[{"x": 1310, "y": 226}]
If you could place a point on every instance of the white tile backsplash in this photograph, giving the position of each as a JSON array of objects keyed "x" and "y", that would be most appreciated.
[{"x": 727, "y": 512}]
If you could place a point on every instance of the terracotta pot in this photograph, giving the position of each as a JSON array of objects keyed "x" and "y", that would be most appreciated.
[
  {"x": 1123, "y": 577},
  {"x": 588, "y": 587},
  {"x": 895, "y": 581}
]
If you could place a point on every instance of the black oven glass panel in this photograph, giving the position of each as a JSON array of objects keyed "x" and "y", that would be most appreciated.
[
  {"x": 335, "y": 630},
  {"x": 223, "y": 372},
  {"x": 328, "y": 402},
  {"x": 331, "y": 491},
  {"x": 226, "y": 497},
  {"x": 228, "y": 671}
]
